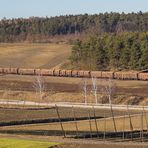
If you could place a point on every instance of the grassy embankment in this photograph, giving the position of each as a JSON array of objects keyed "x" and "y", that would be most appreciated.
[{"x": 14, "y": 143}]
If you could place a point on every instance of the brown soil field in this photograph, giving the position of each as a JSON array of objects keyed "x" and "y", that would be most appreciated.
[
  {"x": 63, "y": 84},
  {"x": 33, "y": 55},
  {"x": 12, "y": 114},
  {"x": 58, "y": 89},
  {"x": 122, "y": 124},
  {"x": 105, "y": 145},
  {"x": 54, "y": 131}
]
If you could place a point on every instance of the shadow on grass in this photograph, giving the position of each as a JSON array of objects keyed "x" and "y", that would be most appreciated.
[
  {"x": 49, "y": 120},
  {"x": 108, "y": 136}
]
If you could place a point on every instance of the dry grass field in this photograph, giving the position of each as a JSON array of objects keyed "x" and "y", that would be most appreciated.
[
  {"x": 58, "y": 89},
  {"x": 33, "y": 55},
  {"x": 19, "y": 114},
  {"x": 122, "y": 124},
  {"x": 53, "y": 131}
]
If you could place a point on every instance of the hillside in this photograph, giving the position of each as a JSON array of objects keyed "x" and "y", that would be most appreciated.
[
  {"x": 124, "y": 51},
  {"x": 33, "y": 55}
]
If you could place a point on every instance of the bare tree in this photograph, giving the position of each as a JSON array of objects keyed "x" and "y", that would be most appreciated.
[
  {"x": 39, "y": 86},
  {"x": 85, "y": 89},
  {"x": 110, "y": 88},
  {"x": 95, "y": 88}
]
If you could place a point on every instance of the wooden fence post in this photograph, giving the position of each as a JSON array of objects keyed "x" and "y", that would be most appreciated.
[
  {"x": 141, "y": 133},
  {"x": 104, "y": 136},
  {"x": 124, "y": 127},
  {"x": 64, "y": 133},
  {"x": 96, "y": 122},
  {"x": 115, "y": 128},
  {"x": 145, "y": 115},
  {"x": 75, "y": 121},
  {"x": 90, "y": 124},
  {"x": 131, "y": 125}
]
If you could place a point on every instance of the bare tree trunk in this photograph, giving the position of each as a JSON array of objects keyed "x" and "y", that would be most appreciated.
[
  {"x": 94, "y": 82},
  {"x": 85, "y": 90},
  {"x": 39, "y": 87},
  {"x": 109, "y": 90}
]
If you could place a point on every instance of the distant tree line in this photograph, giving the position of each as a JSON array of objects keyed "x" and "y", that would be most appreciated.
[
  {"x": 127, "y": 50},
  {"x": 35, "y": 28}
]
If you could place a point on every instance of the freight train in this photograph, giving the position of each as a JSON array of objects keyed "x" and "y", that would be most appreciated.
[{"x": 77, "y": 73}]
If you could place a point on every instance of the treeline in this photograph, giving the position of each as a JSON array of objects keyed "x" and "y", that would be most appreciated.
[
  {"x": 36, "y": 29},
  {"x": 127, "y": 50}
]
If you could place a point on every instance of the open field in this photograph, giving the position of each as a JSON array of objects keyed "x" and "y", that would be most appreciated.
[
  {"x": 68, "y": 117},
  {"x": 71, "y": 143},
  {"x": 104, "y": 145},
  {"x": 59, "y": 89},
  {"x": 7, "y": 115},
  {"x": 12, "y": 143},
  {"x": 33, "y": 55},
  {"x": 86, "y": 128},
  {"x": 122, "y": 124}
]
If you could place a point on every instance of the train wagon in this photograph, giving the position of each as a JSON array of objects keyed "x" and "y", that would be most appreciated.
[
  {"x": 126, "y": 75},
  {"x": 143, "y": 76},
  {"x": 14, "y": 70},
  {"x": 23, "y": 71},
  {"x": 96, "y": 74},
  {"x": 74, "y": 73},
  {"x": 118, "y": 75},
  {"x": 6, "y": 70},
  {"x": 69, "y": 73},
  {"x": 80, "y": 73},
  {"x": 44, "y": 72},
  {"x": 62, "y": 73},
  {"x": 1, "y": 70},
  {"x": 56, "y": 72},
  {"x": 108, "y": 75},
  {"x": 37, "y": 71},
  {"x": 87, "y": 74},
  {"x": 132, "y": 76}
]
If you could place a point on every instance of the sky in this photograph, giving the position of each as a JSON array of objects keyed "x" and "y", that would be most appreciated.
[{"x": 43, "y": 8}]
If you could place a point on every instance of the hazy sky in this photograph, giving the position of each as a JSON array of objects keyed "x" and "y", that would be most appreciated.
[{"x": 27, "y": 8}]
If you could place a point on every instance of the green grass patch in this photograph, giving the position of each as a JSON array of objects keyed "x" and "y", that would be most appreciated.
[{"x": 15, "y": 143}]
